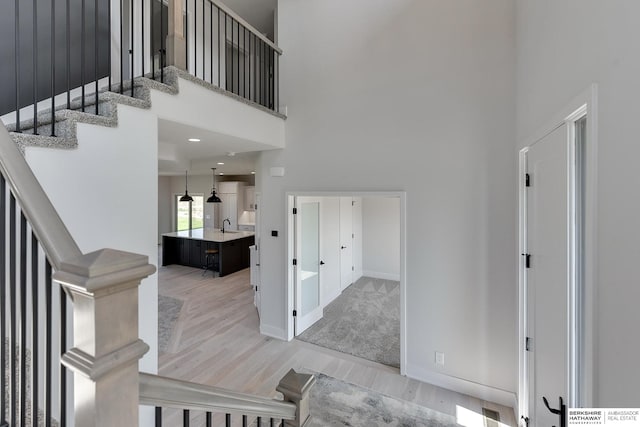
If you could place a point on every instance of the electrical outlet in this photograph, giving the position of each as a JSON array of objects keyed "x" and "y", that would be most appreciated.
[{"x": 439, "y": 358}]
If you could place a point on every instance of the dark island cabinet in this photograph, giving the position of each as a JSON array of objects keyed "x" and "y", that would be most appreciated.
[{"x": 233, "y": 255}]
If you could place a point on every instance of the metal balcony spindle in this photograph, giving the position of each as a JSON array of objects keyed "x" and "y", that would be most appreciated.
[
  {"x": 53, "y": 68},
  {"x": 255, "y": 67},
  {"x": 82, "y": 50},
  {"x": 186, "y": 33},
  {"x": 3, "y": 301},
  {"x": 228, "y": 420},
  {"x": 17, "y": 63},
  {"x": 35, "y": 69},
  {"x": 185, "y": 418},
  {"x": 96, "y": 50},
  {"x": 121, "y": 48},
  {"x": 23, "y": 319},
  {"x": 48, "y": 364},
  {"x": 209, "y": 419},
  {"x": 238, "y": 55},
  {"x": 211, "y": 41},
  {"x": 259, "y": 422},
  {"x": 163, "y": 41},
  {"x": 63, "y": 350},
  {"x": 158, "y": 416},
  {"x": 109, "y": 43},
  {"x": 195, "y": 38},
  {"x": 219, "y": 45},
  {"x": 152, "y": 42},
  {"x": 13, "y": 393},
  {"x": 226, "y": 80},
  {"x": 244, "y": 421},
  {"x": 204, "y": 30},
  {"x": 34, "y": 328},
  {"x": 132, "y": 51},
  {"x": 142, "y": 35},
  {"x": 68, "y": 51}
]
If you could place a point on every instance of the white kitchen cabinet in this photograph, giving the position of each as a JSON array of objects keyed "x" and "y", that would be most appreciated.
[
  {"x": 232, "y": 206},
  {"x": 250, "y": 198}
]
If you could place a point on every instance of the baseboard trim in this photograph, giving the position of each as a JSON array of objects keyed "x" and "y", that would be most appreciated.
[
  {"x": 477, "y": 390},
  {"x": 331, "y": 297},
  {"x": 380, "y": 275},
  {"x": 273, "y": 332}
]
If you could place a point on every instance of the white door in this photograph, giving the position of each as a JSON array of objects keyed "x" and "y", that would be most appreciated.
[
  {"x": 547, "y": 278},
  {"x": 307, "y": 232},
  {"x": 346, "y": 242}
]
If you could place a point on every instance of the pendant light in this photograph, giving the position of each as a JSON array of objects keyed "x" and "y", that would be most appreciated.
[
  {"x": 186, "y": 197},
  {"x": 214, "y": 198}
]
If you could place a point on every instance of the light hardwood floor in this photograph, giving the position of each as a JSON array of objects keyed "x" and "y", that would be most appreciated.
[{"x": 216, "y": 341}]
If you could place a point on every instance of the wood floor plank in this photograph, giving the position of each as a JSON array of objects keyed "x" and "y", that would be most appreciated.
[{"x": 216, "y": 341}]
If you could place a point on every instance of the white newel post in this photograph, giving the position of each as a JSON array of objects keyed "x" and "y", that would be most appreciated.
[
  {"x": 176, "y": 44},
  {"x": 104, "y": 288}
]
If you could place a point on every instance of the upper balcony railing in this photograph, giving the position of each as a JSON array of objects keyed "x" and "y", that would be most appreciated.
[{"x": 62, "y": 54}]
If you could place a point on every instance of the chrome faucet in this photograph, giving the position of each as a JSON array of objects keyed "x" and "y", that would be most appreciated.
[{"x": 225, "y": 220}]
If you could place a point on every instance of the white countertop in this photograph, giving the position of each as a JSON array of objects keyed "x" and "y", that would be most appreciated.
[{"x": 211, "y": 235}]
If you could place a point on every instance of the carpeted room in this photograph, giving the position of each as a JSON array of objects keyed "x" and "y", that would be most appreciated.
[{"x": 360, "y": 307}]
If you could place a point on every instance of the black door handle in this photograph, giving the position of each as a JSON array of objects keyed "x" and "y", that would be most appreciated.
[
  {"x": 343, "y": 247},
  {"x": 321, "y": 262},
  {"x": 561, "y": 411}
]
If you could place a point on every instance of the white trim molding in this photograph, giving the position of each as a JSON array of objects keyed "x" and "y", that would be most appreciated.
[
  {"x": 273, "y": 332},
  {"x": 381, "y": 275},
  {"x": 471, "y": 388}
]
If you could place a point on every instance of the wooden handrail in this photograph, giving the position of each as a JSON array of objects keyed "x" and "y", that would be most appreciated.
[
  {"x": 171, "y": 393},
  {"x": 35, "y": 204}
]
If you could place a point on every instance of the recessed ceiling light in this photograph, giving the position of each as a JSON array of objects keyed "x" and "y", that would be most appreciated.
[
  {"x": 194, "y": 140},
  {"x": 221, "y": 173},
  {"x": 220, "y": 163},
  {"x": 253, "y": 173},
  {"x": 231, "y": 153}
]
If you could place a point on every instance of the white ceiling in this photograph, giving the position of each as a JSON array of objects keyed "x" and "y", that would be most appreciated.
[
  {"x": 176, "y": 154},
  {"x": 259, "y": 13}
]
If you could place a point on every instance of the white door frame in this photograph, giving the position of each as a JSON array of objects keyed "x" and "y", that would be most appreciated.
[
  {"x": 581, "y": 334},
  {"x": 290, "y": 290}
]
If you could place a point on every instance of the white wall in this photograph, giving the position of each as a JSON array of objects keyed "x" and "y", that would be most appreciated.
[
  {"x": 381, "y": 237},
  {"x": 413, "y": 95},
  {"x": 563, "y": 47},
  {"x": 106, "y": 192}
]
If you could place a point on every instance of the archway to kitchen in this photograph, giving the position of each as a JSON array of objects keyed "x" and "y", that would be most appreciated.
[
  {"x": 346, "y": 277},
  {"x": 203, "y": 274}
]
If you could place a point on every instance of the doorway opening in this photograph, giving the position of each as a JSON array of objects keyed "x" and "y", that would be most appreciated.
[
  {"x": 557, "y": 231},
  {"x": 346, "y": 276}
]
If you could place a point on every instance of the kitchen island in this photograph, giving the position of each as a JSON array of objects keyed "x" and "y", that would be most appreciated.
[{"x": 188, "y": 248}]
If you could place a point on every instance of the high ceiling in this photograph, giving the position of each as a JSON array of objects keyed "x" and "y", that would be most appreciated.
[
  {"x": 177, "y": 154},
  {"x": 259, "y": 13}
]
